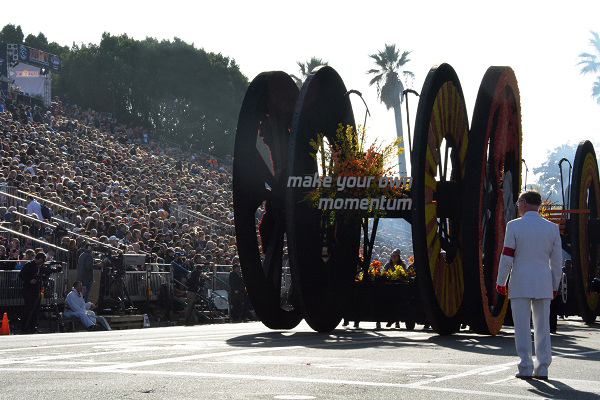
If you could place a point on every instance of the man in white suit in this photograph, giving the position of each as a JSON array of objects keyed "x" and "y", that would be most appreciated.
[
  {"x": 532, "y": 255},
  {"x": 76, "y": 306}
]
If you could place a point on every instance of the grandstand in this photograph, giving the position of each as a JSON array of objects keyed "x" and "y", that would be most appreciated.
[{"x": 115, "y": 186}]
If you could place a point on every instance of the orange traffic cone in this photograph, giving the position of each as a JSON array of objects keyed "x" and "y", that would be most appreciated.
[{"x": 5, "y": 328}]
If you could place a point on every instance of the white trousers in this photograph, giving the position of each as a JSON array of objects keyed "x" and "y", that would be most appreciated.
[
  {"x": 521, "y": 312},
  {"x": 88, "y": 318}
]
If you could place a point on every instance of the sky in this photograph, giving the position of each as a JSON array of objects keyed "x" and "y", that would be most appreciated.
[{"x": 540, "y": 40}]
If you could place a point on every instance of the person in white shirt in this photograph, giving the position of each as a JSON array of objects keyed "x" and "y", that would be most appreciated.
[
  {"x": 77, "y": 307},
  {"x": 532, "y": 255},
  {"x": 33, "y": 207}
]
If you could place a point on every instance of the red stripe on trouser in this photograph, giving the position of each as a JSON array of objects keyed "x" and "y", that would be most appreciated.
[{"x": 507, "y": 251}]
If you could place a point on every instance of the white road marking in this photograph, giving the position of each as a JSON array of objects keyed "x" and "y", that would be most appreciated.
[
  {"x": 191, "y": 357},
  {"x": 28, "y": 360},
  {"x": 289, "y": 379},
  {"x": 335, "y": 336},
  {"x": 494, "y": 371},
  {"x": 501, "y": 380}
]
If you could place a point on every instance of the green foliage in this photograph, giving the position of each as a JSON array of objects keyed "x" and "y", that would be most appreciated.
[
  {"x": 549, "y": 173},
  {"x": 390, "y": 64},
  {"x": 180, "y": 92},
  {"x": 591, "y": 64},
  {"x": 386, "y": 77},
  {"x": 306, "y": 68},
  {"x": 11, "y": 34}
]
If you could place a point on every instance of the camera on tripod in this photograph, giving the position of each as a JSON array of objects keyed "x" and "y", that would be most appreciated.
[
  {"x": 112, "y": 263},
  {"x": 47, "y": 269}
]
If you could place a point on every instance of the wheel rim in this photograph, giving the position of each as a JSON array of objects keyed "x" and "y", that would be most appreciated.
[
  {"x": 323, "y": 284},
  {"x": 492, "y": 182},
  {"x": 265, "y": 117},
  {"x": 585, "y": 196},
  {"x": 441, "y": 116}
]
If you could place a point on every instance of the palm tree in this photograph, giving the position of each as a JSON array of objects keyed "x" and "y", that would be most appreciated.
[
  {"x": 306, "y": 68},
  {"x": 596, "y": 90},
  {"x": 389, "y": 87},
  {"x": 591, "y": 64}
]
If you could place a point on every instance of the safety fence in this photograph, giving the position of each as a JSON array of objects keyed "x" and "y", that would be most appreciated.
[
  {"x": 144, "y": 285},
  {"x": 54, "y": 289}
]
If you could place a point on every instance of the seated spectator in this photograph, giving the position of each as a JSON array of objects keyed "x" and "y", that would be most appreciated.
[
  {"x": 5, "y": 265},
  {"x": 33, "y": 207},
  {"x": 76, "y": 306}
]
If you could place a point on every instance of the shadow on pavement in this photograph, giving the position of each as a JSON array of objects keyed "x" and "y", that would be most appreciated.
[{"x": 556, "y": 389}]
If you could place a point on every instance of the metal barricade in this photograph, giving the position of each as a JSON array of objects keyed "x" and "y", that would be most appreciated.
[
  {"x": 137, "y": 285},
  {"x": 158, "y": 282},
  {"x": 11, "y": 287}
]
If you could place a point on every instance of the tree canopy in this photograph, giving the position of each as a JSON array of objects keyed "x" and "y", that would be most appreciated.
[
  {"x": 549, "y": 173},
  {"x": 183, "y": 93},
  {"x": 386, "y": 77},
  {"x": 306, "y": 68}
]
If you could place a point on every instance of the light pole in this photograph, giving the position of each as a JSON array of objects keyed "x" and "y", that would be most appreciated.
[
  {"x": 405, "y": 94},
  {"x": 526, "y": 171}
]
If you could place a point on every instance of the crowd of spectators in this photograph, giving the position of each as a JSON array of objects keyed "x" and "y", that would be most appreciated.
[{"x": 112, "y": 183}]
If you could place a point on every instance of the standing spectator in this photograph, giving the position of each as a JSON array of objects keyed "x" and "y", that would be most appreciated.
[
  {"x": 180, "y": 273},
  {"x": 85, "y": 269},
  {"x": 31, "y": 293},
  {"x": 529, "y": 243},
  {"x": 195, "y": 283},
  {"x": 33, "y": 207},
  {"x": 237, "y": 288}
]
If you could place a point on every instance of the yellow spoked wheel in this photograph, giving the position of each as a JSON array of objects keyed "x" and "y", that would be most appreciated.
[
  {"x": 439, "y": 158},
  {"x": 585, "y": 251}
]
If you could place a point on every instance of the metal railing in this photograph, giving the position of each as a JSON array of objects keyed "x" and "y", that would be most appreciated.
[{"x": 11, "y": 287}]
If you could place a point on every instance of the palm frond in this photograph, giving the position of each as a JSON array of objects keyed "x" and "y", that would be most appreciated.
[
  {"x": 379, "y": 60},
  {"x": 408, "y": 74},
  {"x": 403, "y": 60},
  {"x": 596, "y": 90},
  {"x": 595, "y": 41},
  {"x": 297, "y": 81},
  {"x": 376, "y": 79}
]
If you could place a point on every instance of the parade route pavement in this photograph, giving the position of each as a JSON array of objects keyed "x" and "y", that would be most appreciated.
[{"x": 250, "y": 361}]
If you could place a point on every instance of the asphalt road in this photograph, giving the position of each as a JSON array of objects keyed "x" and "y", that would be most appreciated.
[{"x": 249, "y": 361}]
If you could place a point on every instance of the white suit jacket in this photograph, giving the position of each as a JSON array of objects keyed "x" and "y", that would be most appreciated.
[
  {"x": 76, "y": 303},
  {"x": 532, "y": 255}
]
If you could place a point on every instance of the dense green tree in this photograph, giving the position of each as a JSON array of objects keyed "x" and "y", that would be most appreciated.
[
  {"x": 183, "y": 93},
  {"x": 306, "y": 68},
  {"x": 591, "y": 64},
  {"x": 548, "y": 174},
  {"x": 390, "y": 64},
  {"x": 180, "y": 92},
  {"x": 11, "y": 34}
]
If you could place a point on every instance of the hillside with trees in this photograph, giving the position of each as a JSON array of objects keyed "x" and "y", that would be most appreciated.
[{"x": 181, "y": 92}]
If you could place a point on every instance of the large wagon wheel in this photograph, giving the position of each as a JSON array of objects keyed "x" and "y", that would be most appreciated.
[
  {"x": 441, "y": 139},
  {"x": 259, "y": 178},
  {"x": 492, "y": 182},
  {"x": 585, "y": 251},
  {"x": 323, "y": 255}
]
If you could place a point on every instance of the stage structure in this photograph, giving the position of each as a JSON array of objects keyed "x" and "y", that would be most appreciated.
[
  {"x": 466, "y": 180},
  {"x": 28, "y": 71}
]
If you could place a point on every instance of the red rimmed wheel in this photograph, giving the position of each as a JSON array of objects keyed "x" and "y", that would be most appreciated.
[
  {"x": 323, "y": 249},
  {"x": 492, "y": 183},
  {"x": 441, "y": 140},
  {"x": 259, "y": 179},
  {"x": 585, "y": 250}
]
